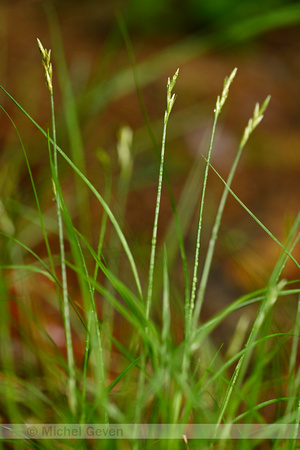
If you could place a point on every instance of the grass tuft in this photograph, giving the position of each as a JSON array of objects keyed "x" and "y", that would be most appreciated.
[{"x": 129, "y": 354}]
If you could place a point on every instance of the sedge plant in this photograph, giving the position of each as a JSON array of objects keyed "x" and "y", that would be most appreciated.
[{"x": 131, "y": 369}]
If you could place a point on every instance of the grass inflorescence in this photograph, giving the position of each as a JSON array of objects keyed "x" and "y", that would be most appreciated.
[{"x": 124, "y": 359}]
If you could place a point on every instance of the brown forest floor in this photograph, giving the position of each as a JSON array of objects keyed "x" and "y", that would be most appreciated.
[{"x": 268, "y": 178}]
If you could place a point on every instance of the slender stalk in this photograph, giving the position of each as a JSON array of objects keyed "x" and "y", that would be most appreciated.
[
  {"x": 170, "y": 102},
  {"x": 66, "y": 311},
  {"x": 253, "y": 122},
  {"x": 190, "y": 306},
  {"x": 176, "y": 227},
  {"x": 219, "y": 105}
]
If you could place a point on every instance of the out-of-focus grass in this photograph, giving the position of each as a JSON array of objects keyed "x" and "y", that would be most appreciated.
[{"x": 135, "y": 360}]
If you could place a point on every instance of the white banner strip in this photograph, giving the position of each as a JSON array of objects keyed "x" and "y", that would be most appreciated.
[{"x": 148, "y": 431}]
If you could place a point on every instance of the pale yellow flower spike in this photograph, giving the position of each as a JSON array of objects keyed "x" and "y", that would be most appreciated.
[{"x": 46, "y": 54}]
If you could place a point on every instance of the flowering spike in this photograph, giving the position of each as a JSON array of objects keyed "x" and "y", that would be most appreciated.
[
  {"x": 226, "y": 86},
  {"x": 254, "y": 120},
  {"x": 46, "y": 55},
  {"x": 171, "y": 98}
]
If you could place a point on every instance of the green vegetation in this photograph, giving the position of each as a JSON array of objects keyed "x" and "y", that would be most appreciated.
[{"x": 135, "y": 347}]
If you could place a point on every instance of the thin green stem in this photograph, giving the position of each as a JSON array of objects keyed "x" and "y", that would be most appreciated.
[
  {"x": 219, "y": 105},
  {"x": 46, "y": 55},
  {"x": 191, "y": 305},
  {"x": 212, "y": 242},
  {"x": 170, "y": 103},
  {"x": 66, "y": 309},
  {"x": 176, "y": 227},
  {"x": 252, "y": 124}
]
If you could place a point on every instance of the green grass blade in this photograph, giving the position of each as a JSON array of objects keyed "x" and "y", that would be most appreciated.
[
  {"x": 190, "y": 309},
  {"x": 94, "y": 191},
  {"x": 166, "y": 312},
  {"x": 34, "y": 192},
  {"x": 256, "y": 219}
]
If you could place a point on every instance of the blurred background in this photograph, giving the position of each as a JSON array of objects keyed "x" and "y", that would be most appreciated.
[{"x": 115, "y": 58}]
